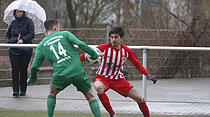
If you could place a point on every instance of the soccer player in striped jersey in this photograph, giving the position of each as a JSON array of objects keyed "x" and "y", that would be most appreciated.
[
  {"x": 110, "y": 76},
  {"x": 58, "y": 48}
]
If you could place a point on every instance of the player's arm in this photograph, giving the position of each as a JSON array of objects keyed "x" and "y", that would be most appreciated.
[
  {"x": 38, "y": 60},
  {"x": 133, "y": 58},
  {"x": 137, "y": 64},
  {"x": 81, "y": 45}
]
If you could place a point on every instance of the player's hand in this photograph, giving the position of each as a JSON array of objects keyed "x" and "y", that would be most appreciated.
[
  {"x": 152, "y": 78},
  {"x": 30, "y": 82}
]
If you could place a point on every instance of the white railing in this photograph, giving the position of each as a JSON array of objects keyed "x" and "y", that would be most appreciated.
[{"x": 144, "y": 48}]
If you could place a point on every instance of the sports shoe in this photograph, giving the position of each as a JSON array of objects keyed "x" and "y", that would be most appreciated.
[{"x": 113, "y": 115}]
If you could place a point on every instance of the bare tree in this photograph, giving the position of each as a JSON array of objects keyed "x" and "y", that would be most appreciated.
[
  {"x": 88, "y": 12},
  {"x": 72, "y": 15}
]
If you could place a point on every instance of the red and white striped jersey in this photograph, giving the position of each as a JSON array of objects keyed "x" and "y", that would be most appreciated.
[{"x": 113, "y": 61}]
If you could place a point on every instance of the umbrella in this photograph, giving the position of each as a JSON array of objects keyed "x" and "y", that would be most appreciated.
[{"x": 33, "y": 10}]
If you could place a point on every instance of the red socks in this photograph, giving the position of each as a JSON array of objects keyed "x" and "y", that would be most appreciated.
[
  {"x": 105, "y": 101},
  {"x": 144, "y": 109}
]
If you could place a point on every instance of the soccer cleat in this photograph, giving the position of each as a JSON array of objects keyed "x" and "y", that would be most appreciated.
[{"x": 113, "y": 115}]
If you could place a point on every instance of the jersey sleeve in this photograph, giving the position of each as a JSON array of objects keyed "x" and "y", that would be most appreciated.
[
  {"x": 102, "y": 47},
  {"x": 38, "y": 60},
  {"x": 73, "y": 39},
  {"x": 133, "y": 58}
]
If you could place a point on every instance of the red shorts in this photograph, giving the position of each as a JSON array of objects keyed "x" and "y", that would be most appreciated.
[{"x": 122, "y": 86}]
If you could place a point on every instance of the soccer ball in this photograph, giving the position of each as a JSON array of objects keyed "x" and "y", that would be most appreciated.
[{"x": 90, "y": 60}]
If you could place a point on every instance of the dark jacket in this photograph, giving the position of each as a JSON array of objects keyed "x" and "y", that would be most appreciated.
[{"x": 23, "y": 26}]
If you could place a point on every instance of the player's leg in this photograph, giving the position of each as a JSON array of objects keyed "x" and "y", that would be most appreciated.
[
  {"x": 101, "y": 88},
  {"x": 93, "y": 103},
  {"x": 51, "y": 100},
  {"x": 140, "y": 101},
  {"x": 83, "y": 84},
  {"x": 124, "y": 88}
]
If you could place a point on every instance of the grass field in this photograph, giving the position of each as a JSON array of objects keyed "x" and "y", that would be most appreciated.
[{"x": 63, "y": 114}]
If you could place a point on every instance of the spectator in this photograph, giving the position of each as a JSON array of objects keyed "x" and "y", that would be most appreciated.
[{"x": 20, "y": 31}]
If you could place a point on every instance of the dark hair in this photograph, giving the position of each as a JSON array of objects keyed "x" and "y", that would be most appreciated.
[
  {"x": 117, "y": 30},
  {"x": 49, "y": 24}
]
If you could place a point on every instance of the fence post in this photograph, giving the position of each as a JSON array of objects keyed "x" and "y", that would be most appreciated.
[{"x": 143, "y": 76}]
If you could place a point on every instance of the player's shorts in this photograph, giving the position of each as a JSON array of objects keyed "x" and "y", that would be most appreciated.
[
  {"x": 81, "y": 82},
  {"x": 122, "y": 86}
]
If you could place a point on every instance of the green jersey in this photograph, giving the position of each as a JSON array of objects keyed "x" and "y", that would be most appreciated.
[{"x": 58, "y": 48}]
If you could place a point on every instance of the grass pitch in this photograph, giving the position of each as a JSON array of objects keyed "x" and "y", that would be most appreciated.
[{"x": 65, "y": 114}]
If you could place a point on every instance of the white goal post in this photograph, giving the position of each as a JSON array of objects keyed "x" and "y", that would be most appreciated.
[{"x": 143, "y": 48}]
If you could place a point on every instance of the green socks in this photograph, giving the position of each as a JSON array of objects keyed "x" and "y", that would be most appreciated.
[
  {"x": 51, "y": 102},
  {"x": 95, "y": 108}
]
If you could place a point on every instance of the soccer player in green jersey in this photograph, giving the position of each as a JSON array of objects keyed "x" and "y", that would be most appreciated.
[{"x": 58, "y": 48}]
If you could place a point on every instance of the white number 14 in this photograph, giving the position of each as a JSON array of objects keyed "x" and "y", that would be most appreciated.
[{"x": 61, "y": 50}]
